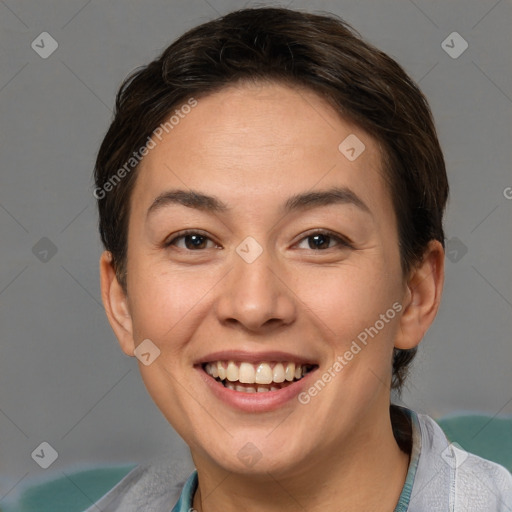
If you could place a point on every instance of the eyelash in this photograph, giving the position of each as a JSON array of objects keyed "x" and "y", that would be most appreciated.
[{"x": 343, "y": 242}]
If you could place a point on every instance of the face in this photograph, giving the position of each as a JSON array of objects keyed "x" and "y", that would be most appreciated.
[{"x": 261, "y": 252}]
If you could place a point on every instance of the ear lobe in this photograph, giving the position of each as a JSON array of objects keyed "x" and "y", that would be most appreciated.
[
  {"x": 422, "y": 297},
  {"x": 116, "y": 304}
]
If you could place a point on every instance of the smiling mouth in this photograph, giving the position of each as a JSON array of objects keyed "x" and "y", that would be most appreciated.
[{"x": 257, "y": 378}]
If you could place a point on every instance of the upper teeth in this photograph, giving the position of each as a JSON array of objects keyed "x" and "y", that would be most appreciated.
[{"x": 260, "y": 373}]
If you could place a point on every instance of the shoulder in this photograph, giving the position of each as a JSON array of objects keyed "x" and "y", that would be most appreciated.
[
  {"x": 450, "y": 478},
  {"x": 480, "y": 483},
  {"x": 152, "y": 487}
]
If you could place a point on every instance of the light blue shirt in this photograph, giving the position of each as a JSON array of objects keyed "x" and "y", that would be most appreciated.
[
  {"x": 441, "y": 478},
  {"x": 187, "y": 494}
]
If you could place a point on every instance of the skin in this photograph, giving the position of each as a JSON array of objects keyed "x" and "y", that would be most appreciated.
[{"x": 254, "y": 146}]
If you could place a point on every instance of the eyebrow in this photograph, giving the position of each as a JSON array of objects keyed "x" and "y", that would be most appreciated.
[
  {"x": 304, "y": 201},
  {"x": 335, "y": 195}
]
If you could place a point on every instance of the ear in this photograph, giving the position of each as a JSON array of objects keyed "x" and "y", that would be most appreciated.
[
  {"x": 116, "y": 304},
  {"x": 422, "y": 297}
]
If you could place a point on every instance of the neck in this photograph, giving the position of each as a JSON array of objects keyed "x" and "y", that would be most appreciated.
[{"x": 366, "y": 472}]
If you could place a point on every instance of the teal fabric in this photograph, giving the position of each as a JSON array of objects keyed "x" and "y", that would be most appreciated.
[
  {"x": 187, "y": 494},
  {"x": 488, "y": 437},
  {"x": 72, "y": 493},
  {"x": 405, "y": 495}
]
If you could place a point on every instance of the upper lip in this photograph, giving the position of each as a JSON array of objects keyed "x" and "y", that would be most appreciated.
[{"x": 254, "y": 357}]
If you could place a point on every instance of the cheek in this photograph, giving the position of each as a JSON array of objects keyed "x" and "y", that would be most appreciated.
[
  {"x": 163, "y": 303},
  {"x": 348, "y": 299},
  {"x": 355, "y": 310}
]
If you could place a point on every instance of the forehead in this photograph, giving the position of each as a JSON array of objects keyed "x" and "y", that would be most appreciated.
[{"x": 260, "y": 142}]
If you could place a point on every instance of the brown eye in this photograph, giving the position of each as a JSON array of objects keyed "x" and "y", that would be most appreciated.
[
  {"x": 191, "y": 241},
  {"x": 195, "y": 241},
  {"x": 320, "y": 241}
]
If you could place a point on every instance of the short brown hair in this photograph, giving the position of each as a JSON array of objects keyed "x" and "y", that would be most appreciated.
[{"x": 319, "y": 52}]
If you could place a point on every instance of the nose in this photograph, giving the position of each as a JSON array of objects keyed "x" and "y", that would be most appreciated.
[{"x": 254, "y": 296}]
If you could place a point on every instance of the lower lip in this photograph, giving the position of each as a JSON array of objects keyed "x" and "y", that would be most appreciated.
[{"x": 256, "y": 402}]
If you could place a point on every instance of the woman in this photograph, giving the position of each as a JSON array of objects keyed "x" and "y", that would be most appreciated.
[{"x": 271, "y": 193}]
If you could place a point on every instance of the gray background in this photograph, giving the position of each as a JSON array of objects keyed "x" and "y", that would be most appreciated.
[{"x": 63, "y": 378}]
